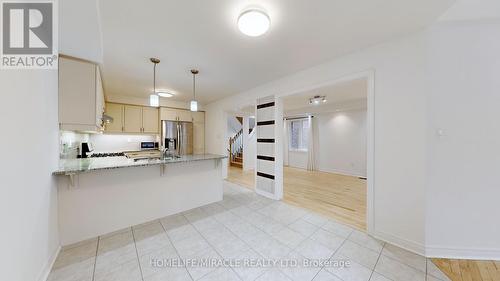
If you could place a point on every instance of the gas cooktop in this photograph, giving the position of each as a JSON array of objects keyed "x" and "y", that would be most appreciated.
[{"x": 110, "y": 154}]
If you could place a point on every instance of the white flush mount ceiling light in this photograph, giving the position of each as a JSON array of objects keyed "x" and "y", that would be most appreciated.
[
  {"x": 254, "y": 22},
  {"x": 164, "y": 94},
  {"x": 317, "y": 100}
]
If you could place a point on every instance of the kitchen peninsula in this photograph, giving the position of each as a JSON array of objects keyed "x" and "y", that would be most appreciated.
[{"x": 101, "y": 195}]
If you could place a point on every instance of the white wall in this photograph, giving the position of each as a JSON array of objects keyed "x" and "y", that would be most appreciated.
[
  {"x": 341, "y": 146},
  {"x": 80, "y": 29},
  {"x": 339, "y": 142},
  {"x": 28, "y": 196},
  {"x": 249, "y": 144},
  {"x": 233, "y": 126},
  {"x": 472, "y": 10},
  {"x": 463, "y": 164}
]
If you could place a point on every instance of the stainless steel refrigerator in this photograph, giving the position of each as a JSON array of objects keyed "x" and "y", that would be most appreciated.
[{"x": 177, "y": 137}]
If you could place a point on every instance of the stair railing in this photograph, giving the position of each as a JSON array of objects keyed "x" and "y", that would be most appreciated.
[{"x": 236, "y": 145}]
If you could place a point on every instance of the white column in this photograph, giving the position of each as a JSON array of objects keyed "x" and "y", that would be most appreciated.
[{"x": 269, "y": 162}]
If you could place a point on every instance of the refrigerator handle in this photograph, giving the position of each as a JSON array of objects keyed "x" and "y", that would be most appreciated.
[{"x": 179, "y": 141}]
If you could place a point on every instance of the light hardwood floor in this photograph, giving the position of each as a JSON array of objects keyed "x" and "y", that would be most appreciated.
[
  {"x": 340, "y": 197},
  {"x": 238, "y": 176},
  {"x": 469, "y": 270}
]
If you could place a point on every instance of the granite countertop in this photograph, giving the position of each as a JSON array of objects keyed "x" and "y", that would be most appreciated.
[{"x": 73, "y": 166}]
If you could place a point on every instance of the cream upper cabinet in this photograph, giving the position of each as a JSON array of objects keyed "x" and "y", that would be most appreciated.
[
  {"x": 115, "y": 111},
  {"x": 172, "y": 114},
  {"x": 169, "y": 114},
  {"x": 80, "y": 95},
  {"x": 132, "y": 119},
  {"x": 150, "y": 120},
  {"x": 198, "y": 118},
  {"x": 198, "y": 138},
  {"x": 184, "y": 115},
  {"x": 100, "y": 103}
]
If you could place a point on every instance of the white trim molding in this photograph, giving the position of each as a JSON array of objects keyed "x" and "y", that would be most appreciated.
[
  {"x": 44, "y": 274},
  {"x": 462, "y": 253},
  {"x": 409, "y": 245}
]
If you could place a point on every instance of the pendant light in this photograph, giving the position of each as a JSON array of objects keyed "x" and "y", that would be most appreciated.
[
  {"x": 194, "y": 103},
  {"x": 154, "y": 99}
]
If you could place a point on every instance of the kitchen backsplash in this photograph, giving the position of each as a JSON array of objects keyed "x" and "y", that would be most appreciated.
[
  {"x": 119, "y": 143},
  {"x": 69, "y": 143}
]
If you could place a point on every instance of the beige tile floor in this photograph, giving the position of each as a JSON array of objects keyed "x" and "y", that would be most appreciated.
[{"x": 242, "y": 227}]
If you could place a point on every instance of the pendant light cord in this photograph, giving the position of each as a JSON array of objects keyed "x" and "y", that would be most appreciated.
[
  {"x": 154, "y": 78},
  {"x": 194, "y": 86}
]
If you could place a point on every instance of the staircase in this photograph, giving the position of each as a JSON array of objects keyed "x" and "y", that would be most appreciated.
[{"x": 236, "y": 150}]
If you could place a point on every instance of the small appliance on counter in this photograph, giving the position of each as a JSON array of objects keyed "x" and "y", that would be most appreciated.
[
  {"x": 86, "y": 147},
  {"x": 149, "y": 145}
]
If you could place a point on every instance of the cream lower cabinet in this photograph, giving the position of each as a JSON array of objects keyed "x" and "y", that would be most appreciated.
[{"x": 132, "y": 119}]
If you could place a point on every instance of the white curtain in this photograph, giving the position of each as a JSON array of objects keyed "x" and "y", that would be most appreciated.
[
  {"x": 310, "y": 145},
  {"x": 286, "y": 138}
]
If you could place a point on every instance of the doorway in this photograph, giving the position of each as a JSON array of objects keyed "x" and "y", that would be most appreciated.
[
  {"x": 241, "y": 139},
  {"x": 325, "y": 151}
]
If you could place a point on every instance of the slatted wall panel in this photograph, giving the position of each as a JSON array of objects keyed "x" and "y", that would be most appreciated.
[{"x": 266, "y": 146}]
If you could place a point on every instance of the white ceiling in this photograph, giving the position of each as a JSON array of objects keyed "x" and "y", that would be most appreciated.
[
  {"x": 203, "y": 34},
  {"x": 337, "y": 95},
  {"x": 472, "y": 10}
]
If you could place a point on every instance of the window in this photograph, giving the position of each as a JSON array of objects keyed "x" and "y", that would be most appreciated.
[{"x": 298, "y": 134}]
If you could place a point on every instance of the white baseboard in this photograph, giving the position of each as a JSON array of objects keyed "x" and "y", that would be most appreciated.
[
  {"x": 462, "y": 253},
  {"x": 437, "y": 251},
  {"x": 48, "y": 266},
  {"x": 412, "y": 246},
  {"x": 341, "y": 172}
]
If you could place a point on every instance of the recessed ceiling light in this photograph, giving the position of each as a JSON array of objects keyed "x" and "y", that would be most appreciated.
[
  {"x": 253, "y": 22},
  {"x": 164, "y": 94},
  {"x": 317, "y": 100}
]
